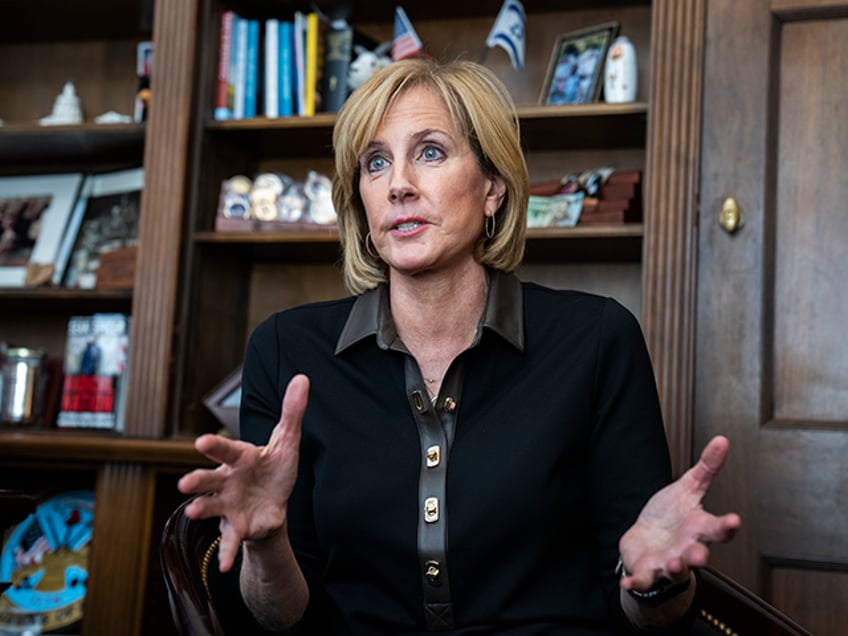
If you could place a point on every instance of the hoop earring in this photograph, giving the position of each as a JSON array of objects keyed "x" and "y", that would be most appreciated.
[
  {"x": 369, "y": 247},
  {"x": 490, "y": 226}
]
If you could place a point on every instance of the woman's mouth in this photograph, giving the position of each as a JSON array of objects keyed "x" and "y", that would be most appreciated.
[{"x": 407, "y": 226}]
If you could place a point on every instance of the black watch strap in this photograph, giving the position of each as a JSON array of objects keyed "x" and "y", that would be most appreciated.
[{"x": 662, "y": 591}]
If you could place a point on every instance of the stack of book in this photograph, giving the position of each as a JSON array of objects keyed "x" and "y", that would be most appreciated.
[{"x": 618, "y": 201}]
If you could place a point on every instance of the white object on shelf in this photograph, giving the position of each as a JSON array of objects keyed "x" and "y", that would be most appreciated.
[
  {"x": 620, "y": 72},
  {"x": 66, "y": 108}
]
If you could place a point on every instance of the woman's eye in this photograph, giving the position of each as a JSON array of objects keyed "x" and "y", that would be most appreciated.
[
  {"x": 375, "y": 164},
  {"x": 431, "y": 153}
]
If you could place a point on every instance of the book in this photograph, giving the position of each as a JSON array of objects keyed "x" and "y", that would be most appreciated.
[
  {"x": 338, "y": 48},
  {"x": 251, "y": 70},
  {"x": 285, "y": 69},
  {"x": 143, "y": 70},
  {"x": 272, "y": 73},
  {"x": 109, "y": 222},
  {"x": 299, "y": 61},
  {"x": 95, "y": 366},
  {"x": 311, "y": 63},
  {"x": 222, "y": 104},
  {"x": 239, "y": 69},
  {"x": 34, "y": 215}
]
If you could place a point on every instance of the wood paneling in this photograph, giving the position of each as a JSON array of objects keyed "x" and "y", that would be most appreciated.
[
  {"x": 671, "y": 204},
  {"x": 120, "y": 544},
  {"x": 161, "y": 218},
  {"x": 803, "y": 592},
  {"x": 810, "y": 349}
]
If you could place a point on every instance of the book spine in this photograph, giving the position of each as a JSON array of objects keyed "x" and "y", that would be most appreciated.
[
  {"x": 286, "y": 107},
  {"x": 240, "y": 67},
  {"x": 222, "y": 110},
  {"x": 251, "y": 69},
  {"x": 338, "y": 47},
  {"x": 272, "y": 73},
  {"x": 298, "y": 47},
  {"x": 311, "y": 78}
]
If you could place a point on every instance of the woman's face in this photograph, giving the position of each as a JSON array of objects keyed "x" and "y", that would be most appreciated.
[{"x": 424, "y": 193}]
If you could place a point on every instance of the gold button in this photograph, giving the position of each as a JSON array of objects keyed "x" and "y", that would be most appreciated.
[
  {"x": 433, "y": 573},
  {"x": 431, "y": 509},
  {"x": 419, "y": 402},
  {"x": 434, "y": 455},
  {"x": 449, "y": 405}
]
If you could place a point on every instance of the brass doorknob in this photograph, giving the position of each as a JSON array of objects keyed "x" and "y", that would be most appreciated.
[{"x": 730, "y": 217}]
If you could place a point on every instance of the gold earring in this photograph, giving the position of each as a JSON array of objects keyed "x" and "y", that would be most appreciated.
[
  {"x": 490, "y": 227},
  {"x": 370, "y": 249}
]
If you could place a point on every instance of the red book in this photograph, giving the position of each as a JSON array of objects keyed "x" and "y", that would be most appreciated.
[
  {"x": 95, "y": 365},
  {"x": 222, "y": 110}
]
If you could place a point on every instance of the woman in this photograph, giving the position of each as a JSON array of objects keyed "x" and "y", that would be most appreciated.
[{"x": 475, "y": 452}]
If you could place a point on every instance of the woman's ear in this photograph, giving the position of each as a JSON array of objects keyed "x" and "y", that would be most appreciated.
[{"x": 496, "y": 194}]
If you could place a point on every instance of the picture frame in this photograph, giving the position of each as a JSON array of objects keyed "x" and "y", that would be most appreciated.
[
  {"x": 575, "y": 70},
  {"x": 34, "y": 215},
  {"x": 224, "y": 401},
  {"x": 106, "y": 220}
]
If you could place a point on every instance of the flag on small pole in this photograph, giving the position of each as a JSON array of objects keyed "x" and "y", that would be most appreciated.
[
  {"x": 406, "y": 42},
  {"x": 508, "y": 32}
]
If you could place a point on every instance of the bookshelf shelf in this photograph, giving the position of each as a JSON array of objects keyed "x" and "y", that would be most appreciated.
[
  {"x": 37, "y": 298},
  {"x": 87, "y": 447},
  {"x": 71, "y": 145},
  {"x": 615, "y": 243},
  {"x": 583, "y": 126}
]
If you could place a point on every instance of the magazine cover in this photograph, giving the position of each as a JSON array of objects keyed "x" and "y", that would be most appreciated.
[
  {"x": 110, "y": 222},
  {"x": 93, "y": 391}
]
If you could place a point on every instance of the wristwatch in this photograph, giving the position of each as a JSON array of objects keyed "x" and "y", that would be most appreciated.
[{"x": 662, "y": 591}]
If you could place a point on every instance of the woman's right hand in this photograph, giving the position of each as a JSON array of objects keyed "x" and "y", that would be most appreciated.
[{"x": 250, "y": 489}]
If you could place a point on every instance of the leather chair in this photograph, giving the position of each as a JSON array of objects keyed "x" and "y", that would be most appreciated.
[{"x": 202, "y": 600}]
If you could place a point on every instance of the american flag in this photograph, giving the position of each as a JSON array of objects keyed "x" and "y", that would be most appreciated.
[{"x": 406, "y": 42}]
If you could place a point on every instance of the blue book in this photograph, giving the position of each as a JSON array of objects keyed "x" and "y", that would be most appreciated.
[
  {"x": 251, "y": 74},
  {"x": 285, "y": 83},
  {"x": 239, "y": 70},
  {"x": 271, "y": 50}
]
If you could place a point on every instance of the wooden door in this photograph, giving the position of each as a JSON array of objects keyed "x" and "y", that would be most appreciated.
[{"x": 771, "y": 368}]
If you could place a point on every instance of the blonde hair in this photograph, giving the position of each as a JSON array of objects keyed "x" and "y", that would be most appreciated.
[{"x": 482, "y": 110}]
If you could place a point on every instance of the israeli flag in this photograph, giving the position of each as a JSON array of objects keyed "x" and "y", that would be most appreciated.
[{"x": 508, "y": 32}]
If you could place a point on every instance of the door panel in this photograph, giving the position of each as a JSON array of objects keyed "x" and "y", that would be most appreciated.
[{"x": 771, "y": 368}]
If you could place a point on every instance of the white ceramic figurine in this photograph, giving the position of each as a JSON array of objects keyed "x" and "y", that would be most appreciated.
[{"x": 620, "y": 74}]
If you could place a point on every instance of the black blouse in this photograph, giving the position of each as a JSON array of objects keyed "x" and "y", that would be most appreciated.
[{"x": 548, "y": 441}]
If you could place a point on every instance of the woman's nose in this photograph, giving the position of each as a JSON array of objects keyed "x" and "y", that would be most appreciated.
[{"x": 402, "y": 185}]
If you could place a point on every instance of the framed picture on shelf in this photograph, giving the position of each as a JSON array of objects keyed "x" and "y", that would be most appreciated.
[
  {"x": 574, "y": 74},
  {"x": 223, "y": 401},
  {"x": 34, "y": 214},
  {"x": 105, "y": 231}
]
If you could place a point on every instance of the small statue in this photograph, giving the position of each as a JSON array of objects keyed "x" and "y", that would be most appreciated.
[
  {"x": 620, "y": 72},
  {"x": 367, "y": 63},
  {"x": 66, "y": 108}
]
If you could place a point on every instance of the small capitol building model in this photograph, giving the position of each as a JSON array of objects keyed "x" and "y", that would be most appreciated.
[{"x": 66, "y": 108}]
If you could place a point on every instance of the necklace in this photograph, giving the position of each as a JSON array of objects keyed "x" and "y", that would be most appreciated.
[{"x": 431, "y": 380}]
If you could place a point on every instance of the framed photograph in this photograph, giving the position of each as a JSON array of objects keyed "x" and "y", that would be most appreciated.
[
  {"x": 575, "y": 72},
  {"x": 34, "y": 214},
  {"x": 224, "y": 400},
  {"x": 107, "y": 222}
]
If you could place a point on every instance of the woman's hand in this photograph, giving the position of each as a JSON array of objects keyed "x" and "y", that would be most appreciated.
[
  {"x": 251, "y": 487},
  {"x": 673, "y": 531}
]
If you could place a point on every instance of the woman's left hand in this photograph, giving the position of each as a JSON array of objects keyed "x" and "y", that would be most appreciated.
[{"x": 673, "y": 531}]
